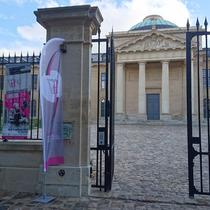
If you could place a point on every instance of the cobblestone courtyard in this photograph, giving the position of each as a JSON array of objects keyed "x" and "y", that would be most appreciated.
[{"x": 150, "y": 173}]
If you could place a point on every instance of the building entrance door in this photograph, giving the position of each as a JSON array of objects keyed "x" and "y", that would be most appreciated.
[{"x": 153, "y": 106}]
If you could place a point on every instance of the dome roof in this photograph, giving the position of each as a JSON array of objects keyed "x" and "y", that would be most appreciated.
[{"x": 153, "y": 21}]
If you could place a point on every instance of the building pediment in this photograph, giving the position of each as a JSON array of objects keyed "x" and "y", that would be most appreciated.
[{"x": 154, "y": 41}]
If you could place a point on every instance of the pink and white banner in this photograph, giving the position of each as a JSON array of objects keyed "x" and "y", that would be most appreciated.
[
  {"x": 51, "y": 103},
  {"x": 17, "y": 90}
]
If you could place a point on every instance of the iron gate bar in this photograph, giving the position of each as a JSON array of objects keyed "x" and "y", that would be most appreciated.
[
  {"x": 38, "y": 116},
  {"x": 32, "y": 97},
  {"x": 99, "y": 74},
  {"x": 199, "y": 117},
  {"x": 189, "y": 116},
  {"x": 189, "y": 109},
  {"x": 112, "y": 109},
  {"x": 207, "y": 94},
  {"x": 106, "y": 113}
]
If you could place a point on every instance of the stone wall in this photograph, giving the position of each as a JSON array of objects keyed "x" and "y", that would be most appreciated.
[{"x": 20, "y": 163}]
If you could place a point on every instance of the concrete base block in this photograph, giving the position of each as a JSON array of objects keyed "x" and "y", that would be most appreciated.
[
  {"x": 16, "y": 179},
  {"x": 66, "y": 181}
]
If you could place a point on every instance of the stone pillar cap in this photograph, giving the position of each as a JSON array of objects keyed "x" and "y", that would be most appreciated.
[{"x": 47, "y": 16}]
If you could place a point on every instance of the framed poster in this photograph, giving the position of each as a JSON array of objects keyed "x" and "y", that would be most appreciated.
[{"x": 17, "y": 91}]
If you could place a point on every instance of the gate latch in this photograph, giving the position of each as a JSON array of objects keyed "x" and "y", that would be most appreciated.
[{"x": 101, "y": 137}]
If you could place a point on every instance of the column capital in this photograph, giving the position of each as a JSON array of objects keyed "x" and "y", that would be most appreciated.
[
  {"x": 142, "y": 66},
  {"x": 165, "y": 61},
  {"x": 73, "y": 21},
  {"x": 142, "y": 62}
]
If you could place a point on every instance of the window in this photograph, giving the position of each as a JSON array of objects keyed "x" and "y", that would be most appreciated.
[
  {"x": 204, "y": 77},
  {"x": 102, "y": 108},
  {"x": 103, "y": 80},
  {"x": 33, "y": 108}
]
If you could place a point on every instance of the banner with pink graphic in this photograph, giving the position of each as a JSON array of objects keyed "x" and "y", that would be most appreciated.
[
  {"x": 51, "y": 103},
  {"x": 17, "y": 90}
]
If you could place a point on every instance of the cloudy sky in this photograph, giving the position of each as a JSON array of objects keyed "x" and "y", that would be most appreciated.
[{"x": 19, "y": 31}]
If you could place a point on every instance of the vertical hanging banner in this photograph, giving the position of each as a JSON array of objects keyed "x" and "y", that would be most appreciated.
[
  {"x": 17, "y": 90},
  {"x": 51, "y": 103}
]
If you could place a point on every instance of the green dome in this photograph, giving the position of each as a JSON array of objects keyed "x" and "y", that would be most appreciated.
[{"x": 153, "y": 21}]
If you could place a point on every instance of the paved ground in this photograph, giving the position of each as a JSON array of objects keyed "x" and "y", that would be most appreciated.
[{"x": 150, "y": 173}]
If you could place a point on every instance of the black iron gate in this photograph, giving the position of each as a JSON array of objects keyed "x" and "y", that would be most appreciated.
[
  {"x": 198, "y": 126},
  {"x": 102, "y": 152}
]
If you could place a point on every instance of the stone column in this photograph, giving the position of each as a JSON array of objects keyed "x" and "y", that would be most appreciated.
[
  {"x": 165, "y": 89},
  {"x": 142, "y": 93},
  {"x": 120, "y": 89},
  {"x": 76, "y": 25}
]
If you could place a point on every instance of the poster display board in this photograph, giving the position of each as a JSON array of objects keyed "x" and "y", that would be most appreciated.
[{"x": 17, "y": 91}]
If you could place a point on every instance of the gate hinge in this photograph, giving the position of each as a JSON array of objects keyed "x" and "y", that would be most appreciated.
[{"x": 194, "y": 153}]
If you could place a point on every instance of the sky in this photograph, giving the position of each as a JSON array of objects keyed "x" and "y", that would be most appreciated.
[{"x": 19, "y": 31}]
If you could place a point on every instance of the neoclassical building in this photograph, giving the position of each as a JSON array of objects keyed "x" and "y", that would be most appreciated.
[{"x": 150, "y": 71}]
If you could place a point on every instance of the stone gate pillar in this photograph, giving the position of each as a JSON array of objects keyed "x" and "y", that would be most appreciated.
[{"x": 76, "y": 25}]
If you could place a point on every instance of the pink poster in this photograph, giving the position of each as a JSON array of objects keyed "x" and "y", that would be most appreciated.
[{"x": 17, "y": 89}]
